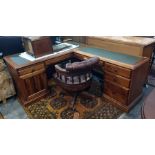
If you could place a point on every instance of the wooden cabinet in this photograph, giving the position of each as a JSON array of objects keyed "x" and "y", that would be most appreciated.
[
  {"x": 38, "y": 46},
  {"x": 30, "y": 77},
  {"x": 32, "y": 83},
  {"x": 123, "y": 84}
]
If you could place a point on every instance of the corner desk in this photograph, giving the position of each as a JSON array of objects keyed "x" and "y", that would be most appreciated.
[{"x": 124, "y": 75}]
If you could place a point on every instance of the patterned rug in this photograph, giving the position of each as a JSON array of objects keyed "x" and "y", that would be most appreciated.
[
  {"x": 57, "y": 105},
  {"x": 151, "y": 77}
]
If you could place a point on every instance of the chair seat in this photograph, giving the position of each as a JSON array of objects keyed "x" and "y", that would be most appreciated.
[{"x": 75, "y": 77}]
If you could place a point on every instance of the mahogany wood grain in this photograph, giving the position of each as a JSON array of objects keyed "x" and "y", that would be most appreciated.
[
  {"x": 136, "y": 46},
  {"x": 117, "y": 70},
  {"x": 124, "y": 82},
  {"x": 30, "y": 69},
  {"x": 58, "y": 59},
  {"x": 138, "y": 77},
  {"x": 112, "y": 46},
  {"x": 116, "y": 91},
  {"x": 38, "y": 47}
]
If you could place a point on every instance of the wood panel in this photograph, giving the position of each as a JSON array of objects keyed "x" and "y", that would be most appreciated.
[
  {"x": 117, "y": 70},
  {"x": 31, "y": 69},
  {"x": 148, "y": 50},
  {"x": 124, "y": 82},
  {"x": 29, "y": 86},
  {"x": 33, "y": 84},
  {"x": 136, "y": 46},
  {"x": 138, "y": 77},
  {"x": 116, "y": 91},
  {"x": 38, "y": 46},
  {"x": 58, "y": 59},
  {"x": 32, "y": 74},
  {"x": 115, "y": 47},
  {"x": 37, "y": 83}
]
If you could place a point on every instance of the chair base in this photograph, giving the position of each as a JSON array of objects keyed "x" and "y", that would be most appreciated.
[{"x": 74, "y": 100}]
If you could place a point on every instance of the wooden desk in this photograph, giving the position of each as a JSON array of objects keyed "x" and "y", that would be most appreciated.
[
  {"x": 30, "y": 76},
  {"x": 124, "y": 75},
  {"x": 136, "y": 46}
]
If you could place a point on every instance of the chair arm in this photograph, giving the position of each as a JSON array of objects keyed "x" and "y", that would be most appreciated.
[{"x": 60, "y": 70}]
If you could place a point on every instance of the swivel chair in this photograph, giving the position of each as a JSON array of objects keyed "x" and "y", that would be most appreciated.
[{"x": 75, "y": 77}]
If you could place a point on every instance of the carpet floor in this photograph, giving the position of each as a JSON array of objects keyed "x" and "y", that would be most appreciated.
[{"x": 57, "y": 105}]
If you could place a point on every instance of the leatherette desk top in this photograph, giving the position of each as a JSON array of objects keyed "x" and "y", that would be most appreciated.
[{"x": 116, "y": 58}]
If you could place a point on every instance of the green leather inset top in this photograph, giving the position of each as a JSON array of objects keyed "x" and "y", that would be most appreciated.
[
  {"x": 19, "y": 60},
  {"x": 124, "y": 58}
]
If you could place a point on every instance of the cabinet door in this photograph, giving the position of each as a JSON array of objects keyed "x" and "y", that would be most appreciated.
[{"x": 33, "y": 84}]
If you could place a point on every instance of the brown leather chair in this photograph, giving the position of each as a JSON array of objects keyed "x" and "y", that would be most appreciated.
[{"x": 75, "y": 77}]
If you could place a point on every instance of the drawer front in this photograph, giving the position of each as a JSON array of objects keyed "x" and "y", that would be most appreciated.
[
  {"x": 117, "y": 79},
  {"x": 58, "y": 59},
  {"x": 84, "y": 57},
  {"x": 116, "y": 92},
  {"x": 81, "y": 56},
  {"x": 31, "y": 69},
  {"x": 117, "y": 70}
]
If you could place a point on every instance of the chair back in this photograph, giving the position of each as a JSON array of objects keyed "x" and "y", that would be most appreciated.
[{"x": 77, "y": 75}]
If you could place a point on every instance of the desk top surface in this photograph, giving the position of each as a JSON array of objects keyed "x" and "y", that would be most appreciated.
[
  {"x": 117, "y": 58},
  {"x": 123, "y": 58}
]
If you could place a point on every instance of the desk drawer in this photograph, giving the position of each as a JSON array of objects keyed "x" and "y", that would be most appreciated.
[
  {"x": 117, "y": 70},
  {"x": 58, "y": 59},
  {"x": 116, "y": 92},
  {"x": 31, "y": 69},
  {"x": 117, "y": 79},
  {"x": 81, "y": 56}
]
